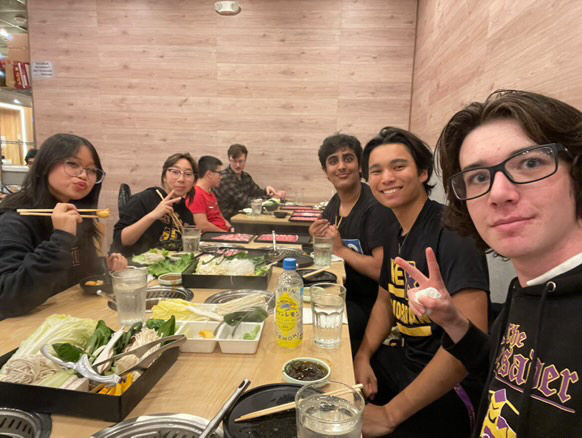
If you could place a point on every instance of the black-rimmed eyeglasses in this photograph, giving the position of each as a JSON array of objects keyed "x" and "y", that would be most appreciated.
[
  {"x": 188, "y": 174},
  {"x": 72, "y": 168},
  {"x": 527, "y": 166}
]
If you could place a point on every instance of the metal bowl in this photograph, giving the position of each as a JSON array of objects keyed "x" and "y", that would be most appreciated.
[
  {"x": 155, "y": 294},
  {"x": 158, "y": 426}
]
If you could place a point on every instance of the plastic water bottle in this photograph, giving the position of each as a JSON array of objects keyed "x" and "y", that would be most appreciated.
[{"x": 289, "y": 306}]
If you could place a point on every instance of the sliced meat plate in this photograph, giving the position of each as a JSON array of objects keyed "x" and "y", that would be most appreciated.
[
  {"x": 303, "y": 218},
  {"x": 306, "y": 214},
  {"x": 280, "y": 238},
  {"x": 227, "y": 237}
]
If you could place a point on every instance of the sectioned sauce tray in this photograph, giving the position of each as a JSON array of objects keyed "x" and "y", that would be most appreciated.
[
  {"x": 281, "y": 425},
  {"x": 84, "y": 404}
]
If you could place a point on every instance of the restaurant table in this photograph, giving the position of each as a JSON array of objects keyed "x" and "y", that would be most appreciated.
[
  {"x": 265, "y": 223},
  {"x": 197, "y": 383}
]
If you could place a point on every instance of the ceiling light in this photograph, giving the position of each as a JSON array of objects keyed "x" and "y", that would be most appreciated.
[
  {"x": 16, "y": 101},
  {"x": 227, "y": 7}
]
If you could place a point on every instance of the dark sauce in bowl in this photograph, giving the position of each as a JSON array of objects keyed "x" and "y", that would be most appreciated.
[{"x": 305, "y": 370}]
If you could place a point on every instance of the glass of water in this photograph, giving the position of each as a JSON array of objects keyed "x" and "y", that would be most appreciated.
[
  {"x": 191, "y": 239},
  {"x": 256, "y": 207},
  {"x": 129, "y": 287},
  {"x": 321, "y": 416},
  {"x": 322, "y": 251},
  {"x": 328, "y": 301}
]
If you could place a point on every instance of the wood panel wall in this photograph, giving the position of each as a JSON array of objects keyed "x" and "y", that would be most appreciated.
[
  {"x": 465, "y": 50},
  {"x": 144, "y": 78}
]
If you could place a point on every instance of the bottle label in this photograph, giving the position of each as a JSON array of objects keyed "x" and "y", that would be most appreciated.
[{"x": 288, "y": 319}]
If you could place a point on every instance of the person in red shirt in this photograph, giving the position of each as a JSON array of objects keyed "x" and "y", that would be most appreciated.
[{"x": 204, "y": 206}]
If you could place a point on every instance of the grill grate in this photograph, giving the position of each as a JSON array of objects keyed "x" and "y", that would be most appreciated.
[
  {"x": 158, "y": 426},
  {"x": 15, "y": 423}
]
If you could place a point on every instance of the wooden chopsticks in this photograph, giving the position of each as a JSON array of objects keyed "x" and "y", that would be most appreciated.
[
  {"x": 291, "y": 405},
  {"x": 311, "y": 274},
  {"x": 99, "y": 213},
  {"x": 175, "y": 219}
]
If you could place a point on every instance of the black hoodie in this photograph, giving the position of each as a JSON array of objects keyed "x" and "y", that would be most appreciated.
[
  {"x": 540, "y": 325},
  {"x": 37, "y": 262},
  {"x": 161, "y": 230}
]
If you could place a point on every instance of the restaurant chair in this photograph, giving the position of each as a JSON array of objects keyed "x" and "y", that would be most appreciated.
[{"x": 124, "y": 195}]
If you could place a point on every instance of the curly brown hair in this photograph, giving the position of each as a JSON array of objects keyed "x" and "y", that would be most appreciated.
[{"x": 544, "y": 120}]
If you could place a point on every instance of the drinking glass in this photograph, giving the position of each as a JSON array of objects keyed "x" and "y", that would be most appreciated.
[
  {"x": 327, "y": 307},
  {"x": 191, "y": 239},
  {"x": 323, "y": 416},
  {"x": 129, "y": 287},
  {"x": 322, "y": 251},
  {"x": 256, "y": 206}
]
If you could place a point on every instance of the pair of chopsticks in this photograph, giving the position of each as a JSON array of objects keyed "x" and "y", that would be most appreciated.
[
  {"x": 99, "y": 213},
  {"x": 291, "y": 405},
  {"x": 338, "y": 222},
  {"x": 175, "y": 219},
  {"x": 317, "y": 271}
]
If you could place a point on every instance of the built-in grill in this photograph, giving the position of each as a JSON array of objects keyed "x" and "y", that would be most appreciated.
[
  {"x": 15, "y": 423},
  {"x": 158, "y": 426}
]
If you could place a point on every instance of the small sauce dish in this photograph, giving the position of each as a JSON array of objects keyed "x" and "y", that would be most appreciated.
[
  {"x": 306, "y": 370},
  {"x": 170, "y": 279}
]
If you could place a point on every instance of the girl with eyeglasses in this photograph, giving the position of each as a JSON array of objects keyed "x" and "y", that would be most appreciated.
[
  {"x": 145, "y": 222},
  {"x": 41, "y": 256}
]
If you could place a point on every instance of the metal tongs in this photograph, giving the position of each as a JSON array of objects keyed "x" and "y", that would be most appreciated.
[
  {"x": 213, "y": 424},
  {"x": 86, "y": 369}
]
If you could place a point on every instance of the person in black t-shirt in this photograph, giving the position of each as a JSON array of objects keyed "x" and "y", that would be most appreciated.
[
  {"x": 417, "y": 390},
  {"x": 358, "y": 225},
  {"x": 144, "y": 222}
]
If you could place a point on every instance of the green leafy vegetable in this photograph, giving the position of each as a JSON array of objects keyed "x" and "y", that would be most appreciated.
[
  {"x": 168, "y": 328},
  {"x": 57, "y": 329},
  {"x": 68, "y": 352},
  {"x": 168, "y": 266},
  {"x": 252, "y": 335},
  {"x": 56, "y": 380},
  {"x": 126, "y": 338},
  {"x": 163, "y": 328},
  {"x": 256, "y": 314},
  {"x": 100, "y": 337}
]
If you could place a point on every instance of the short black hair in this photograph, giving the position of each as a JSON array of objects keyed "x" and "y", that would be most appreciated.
[
  {"x": 420, "y": 151},
  {"x": 338, "y": 142},
  {"x": 236, "y": 150},
  {"x": 30, "y": 155},
  {"x": 206, "y": 163}
]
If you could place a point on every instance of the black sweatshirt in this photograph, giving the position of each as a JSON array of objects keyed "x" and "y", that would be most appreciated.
[
  {"x": 161, "y": 230},
  {"x": 539, "y": 324},
  {"x": 37, "y": 262}
]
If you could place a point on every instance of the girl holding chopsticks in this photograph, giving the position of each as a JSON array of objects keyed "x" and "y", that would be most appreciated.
[
  {"x": 42, "y": 254},
  {"x": 157, "y": 214}
]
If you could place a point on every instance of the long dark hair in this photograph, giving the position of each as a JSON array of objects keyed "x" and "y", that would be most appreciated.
[
  {"x": 543, "y": 119},
  {"x": 35, "y": 192},
  {"x": 172, "y": 160}
]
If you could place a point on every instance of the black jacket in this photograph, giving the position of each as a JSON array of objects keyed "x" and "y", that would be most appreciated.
[
  {"x": 539, "y": 325},
  {"x": 137, "y": 207},
  {"x": 37, "y": 262}
]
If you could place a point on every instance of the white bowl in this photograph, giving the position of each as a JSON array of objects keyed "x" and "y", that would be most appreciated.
[
  {"x": 170, "y": 279},
  {"x": 237, "y": 344},
  {"x": 322, "y": 380},
  {"x": 194, "y": 342}
]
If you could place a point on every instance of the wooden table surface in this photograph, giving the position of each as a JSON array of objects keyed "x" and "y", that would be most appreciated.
[{"x": 197, "y": 383}]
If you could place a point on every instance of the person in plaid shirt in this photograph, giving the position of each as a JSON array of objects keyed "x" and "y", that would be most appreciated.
[{"x": 237, "y": 187}]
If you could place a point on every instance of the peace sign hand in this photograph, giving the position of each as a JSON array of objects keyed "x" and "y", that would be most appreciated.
[{"x": 441, "y": 310}]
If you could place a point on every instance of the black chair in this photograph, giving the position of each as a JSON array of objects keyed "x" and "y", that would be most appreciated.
[{"x": 124, "y": 195}]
